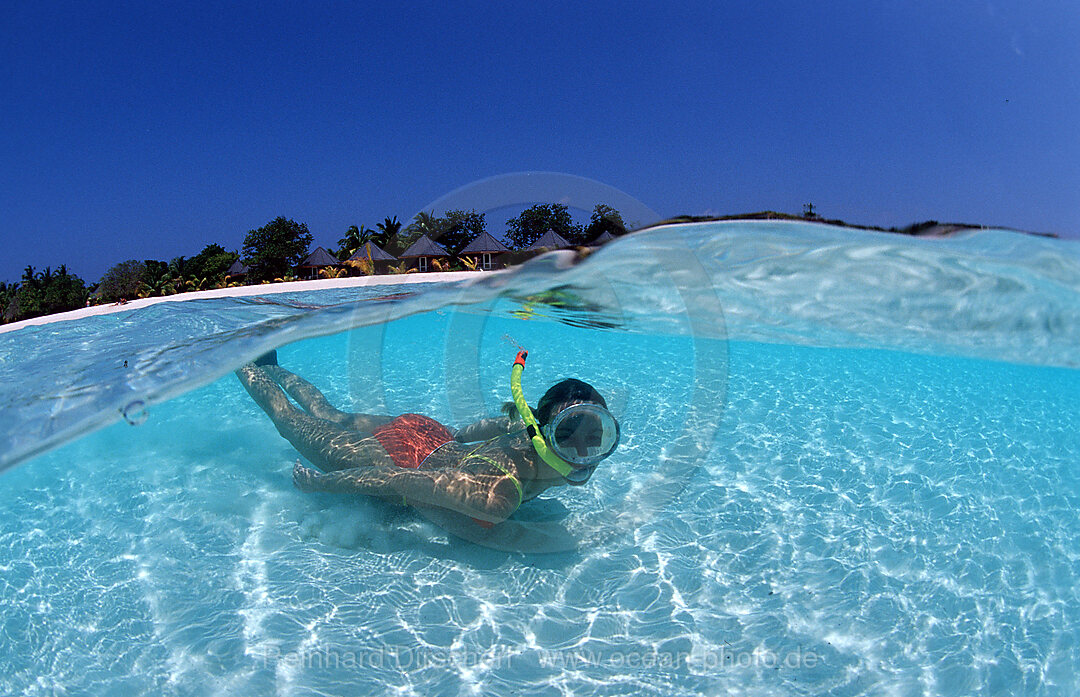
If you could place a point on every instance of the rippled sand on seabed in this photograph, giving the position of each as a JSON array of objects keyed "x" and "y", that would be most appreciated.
[{"x": 867, "y": 520}]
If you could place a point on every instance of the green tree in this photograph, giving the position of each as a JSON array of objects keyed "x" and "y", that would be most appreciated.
[
  {"x": 389, "y": 229},
  {"x": 7, "y": 297},
  {"x": 272, "y": 250},
  {"x": 423, "y": 223},
  {"x": 458, "y": 228},
  {"x": 26, "y": 298},
  {"x": 156, "y": 279},
  {"x": 178, "y": 267},
  {"x": 355, "y": 238},
  {"x": 210, "y": 264},
  {"x": 8, "y": 304},
  {"x": 604, "y": 219},
  {"x": 122, "y": 281},
  {"x": 525, "y": 229},
  {"x": 66, "y": 292},
  {"x": 42, "y": 293}
]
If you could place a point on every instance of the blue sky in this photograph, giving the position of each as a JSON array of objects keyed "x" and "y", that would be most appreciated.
[{"x": 150, "y": 129}]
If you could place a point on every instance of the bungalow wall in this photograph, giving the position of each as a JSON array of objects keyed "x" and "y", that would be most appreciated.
[
  {"x": 423, "y": 264},
  {"x": 487, "y": 261}
]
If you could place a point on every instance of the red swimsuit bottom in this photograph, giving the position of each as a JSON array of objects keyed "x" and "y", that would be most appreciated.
[{"x": 410, "y": 438}]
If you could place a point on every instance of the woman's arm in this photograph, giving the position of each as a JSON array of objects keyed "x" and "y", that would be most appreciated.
[
  {"x": 491, "y": 498},
  {"x": 486, "y": 429}
]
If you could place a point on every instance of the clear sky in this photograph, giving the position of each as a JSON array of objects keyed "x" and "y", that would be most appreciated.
[{"x": 147, "y": 130}]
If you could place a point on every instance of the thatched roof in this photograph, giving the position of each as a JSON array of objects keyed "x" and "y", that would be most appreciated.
[
  {"x": 238, "y": 268},
  {"x": 550, "y": 240},
  {"x": 372, "y": 250},
  {"x": 320, "y": 257},
  {"x": 424, "y": 247},
  {"x": 484, "y": 242},
  {"x": 603, "y": 237}
]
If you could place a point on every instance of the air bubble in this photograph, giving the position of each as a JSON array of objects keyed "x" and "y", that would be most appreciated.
[{"x": 135, "y": 413}]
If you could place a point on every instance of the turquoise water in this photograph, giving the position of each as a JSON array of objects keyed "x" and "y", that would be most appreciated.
[{"x": 848, "y": 467}]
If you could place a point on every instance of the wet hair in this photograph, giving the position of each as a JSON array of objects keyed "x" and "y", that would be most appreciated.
[{"x": 569, "y": 391}]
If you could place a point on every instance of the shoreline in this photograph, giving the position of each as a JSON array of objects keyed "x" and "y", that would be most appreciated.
[{"x": 247, "y": 291}]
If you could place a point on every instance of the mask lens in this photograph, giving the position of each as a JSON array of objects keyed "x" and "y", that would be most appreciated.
[{"x": 584, "y": 434}]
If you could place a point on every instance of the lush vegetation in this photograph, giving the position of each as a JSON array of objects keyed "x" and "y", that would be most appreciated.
[
  {"x": 142, "y": 279},
  {"x": 273, "y": 251},
  {"x": 41, "y": 293}
]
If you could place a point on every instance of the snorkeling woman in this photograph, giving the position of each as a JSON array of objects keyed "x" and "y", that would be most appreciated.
[{"x": 481, "y": 472}]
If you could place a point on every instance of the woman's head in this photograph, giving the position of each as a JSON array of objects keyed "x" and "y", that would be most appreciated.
[
  {"x": 562, "y": 395},
  {"x": 577, "y": 426}
]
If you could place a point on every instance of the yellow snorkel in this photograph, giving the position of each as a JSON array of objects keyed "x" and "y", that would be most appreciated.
[{"x": 554, "y": 461}]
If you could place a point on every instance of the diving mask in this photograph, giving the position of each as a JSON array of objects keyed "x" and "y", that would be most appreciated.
[
  {"x": 576, "y": 440},
  {"x": 582, "y": 434}
]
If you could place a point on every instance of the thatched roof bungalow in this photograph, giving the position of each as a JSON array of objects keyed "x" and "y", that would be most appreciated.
[
  {"x": 485, "y": 251},
  {"x": 237, "y": 271},
  {"x": 550, "y": 240},
  {"x": 378, "y": 257},
  {"x": 423, "y": 252},
  {"x": 316, "y": 262},
  {"x": 602, "y": 239}
]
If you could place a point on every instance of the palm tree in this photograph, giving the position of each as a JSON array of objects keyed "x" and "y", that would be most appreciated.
[
  {"x": 425, "y": 224},
  {"x": 156, "y": 280},
  {"x": 355, "y": 238},
  {"x": 389, "y": 228},
  {"x": 177, "y": 267},
  {"x": 159, "y": 285}
]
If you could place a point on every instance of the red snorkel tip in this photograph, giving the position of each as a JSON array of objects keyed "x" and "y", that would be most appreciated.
[{"x": 520, "y": 360}]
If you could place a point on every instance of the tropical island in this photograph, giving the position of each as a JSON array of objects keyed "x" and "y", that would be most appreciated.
[{"x": 280, "y": 251}]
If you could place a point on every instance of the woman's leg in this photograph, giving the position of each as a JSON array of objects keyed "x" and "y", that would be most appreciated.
[
  {"x": 326, "y": 444},
  {"x": 315, "y": 403}
]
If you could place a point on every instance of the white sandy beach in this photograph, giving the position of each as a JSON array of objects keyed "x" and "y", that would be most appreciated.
[{"x": 262, "y": 289}]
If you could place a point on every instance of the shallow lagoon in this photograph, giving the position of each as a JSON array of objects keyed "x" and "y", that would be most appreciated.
[{"x": 801, "y": 504}]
